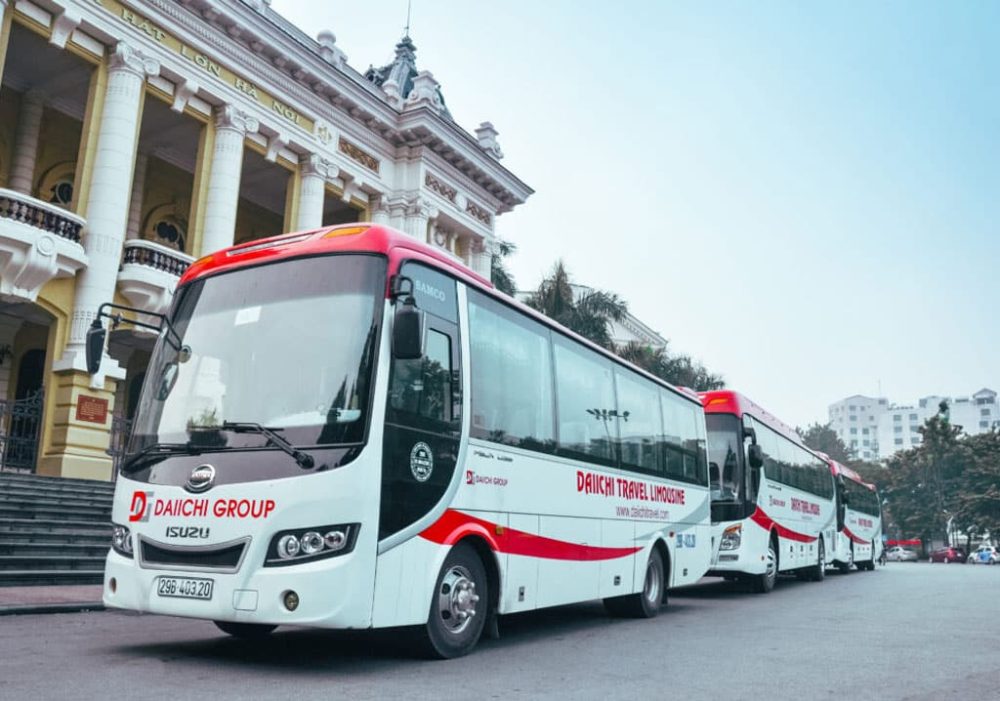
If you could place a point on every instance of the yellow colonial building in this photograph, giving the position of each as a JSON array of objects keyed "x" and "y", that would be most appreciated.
[{"x": 137, "y": 135}]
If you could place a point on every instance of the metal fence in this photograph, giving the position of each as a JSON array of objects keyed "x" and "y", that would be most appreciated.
[{"x": 20, "y": 425}]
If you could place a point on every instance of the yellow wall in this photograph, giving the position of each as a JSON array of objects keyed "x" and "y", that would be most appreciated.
[
  {"x": 167, "y": 196},
  {"x": 58, "y": 147},
  {"x": 10, "y": 104},
  {"x": 254, "y": 222}
]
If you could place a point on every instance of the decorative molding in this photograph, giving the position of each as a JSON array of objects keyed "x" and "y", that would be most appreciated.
[
  {"x": 125, "y": 57},
  {"x": 478, "y": 212},
  {"x": 183, "y": 92},
  {"x": 354, "y": 152},
  {"x": 315, "y": 165},
  {"x": 229, "y": 117},
  {"x": 63, "y": 26},
  {"x": 442, "y": 188}
]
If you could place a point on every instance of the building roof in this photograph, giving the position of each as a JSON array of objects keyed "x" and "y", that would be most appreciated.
[{"x": 399, "y": 76}]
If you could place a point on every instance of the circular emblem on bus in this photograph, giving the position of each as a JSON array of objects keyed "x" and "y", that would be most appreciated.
[
  {"x": 421, "y": 461},
  {"x": 202, "y": 477}
]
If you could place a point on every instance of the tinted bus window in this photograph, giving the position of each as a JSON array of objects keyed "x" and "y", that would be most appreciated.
[
  {"x": 684, "y": 441},
  {"x": 511, "y": 377},
  {"x": 638, "y": 423},
  {"x": 585, "y": 403}
]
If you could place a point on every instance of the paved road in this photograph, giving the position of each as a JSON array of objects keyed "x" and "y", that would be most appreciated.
[{"x": 906, "y": 631}]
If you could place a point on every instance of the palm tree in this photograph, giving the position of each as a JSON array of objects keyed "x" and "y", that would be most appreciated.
[
  {"x": 502, "y": 278},
  {"x": 588, "y": 314}
]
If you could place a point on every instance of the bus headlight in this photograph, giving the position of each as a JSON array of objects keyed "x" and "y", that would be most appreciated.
[
  {"x": 307, "y": 544},
  {"x": 121, "y": 540},
  {"x": 732, "y": 537}
]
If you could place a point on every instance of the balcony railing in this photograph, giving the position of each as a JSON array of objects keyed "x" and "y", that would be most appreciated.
[
  {"x": 149, "y": 274},
  {"x": 138, "y": 252},
  {"x": 40, "y": 215},
  {"x": 39, "y": 241}
]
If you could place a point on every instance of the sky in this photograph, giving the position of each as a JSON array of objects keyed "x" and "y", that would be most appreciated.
[{"x": 803, "y": 196}]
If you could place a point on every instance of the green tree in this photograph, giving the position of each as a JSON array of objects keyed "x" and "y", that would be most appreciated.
[
  {"x": 500, "y": 276},
  {"x": 823, "y": 438},
  {"x": 924, "y": 482},
  {"x": 589, "y": 314},
  {"x": 978, "y": 498},
  {"x": 678, "y": 369}
]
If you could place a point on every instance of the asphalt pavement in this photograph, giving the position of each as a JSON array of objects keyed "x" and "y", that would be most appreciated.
[{"x": 906, "y": 631}]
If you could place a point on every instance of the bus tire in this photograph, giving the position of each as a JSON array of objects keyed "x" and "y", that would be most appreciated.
[
  {"x": 845, "y": 567},
  {"x": 646, "y": 603},
  {"x": 764, "y": 583},
  {"x": 245, "y": 631},
  {"x": 458, "y": 607},
  {"x": 818, "y": 572}
]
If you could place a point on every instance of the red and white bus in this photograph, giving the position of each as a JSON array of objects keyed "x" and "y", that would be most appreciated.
[
  {"x": 859, "y": 520},
  {"x": 773, "y": 508},
  {"x": 345, "y": 428}
]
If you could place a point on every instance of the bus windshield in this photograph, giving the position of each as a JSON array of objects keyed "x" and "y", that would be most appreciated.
[
  {"x": 724, "y": 461},
  {"x": 289, "y": 346}
]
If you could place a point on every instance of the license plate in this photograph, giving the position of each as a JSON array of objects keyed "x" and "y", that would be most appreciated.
[{"x": 184, "y": 587}]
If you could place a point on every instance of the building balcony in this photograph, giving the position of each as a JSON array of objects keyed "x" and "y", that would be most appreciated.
[
  {"x": 38, "y": 242},
  {"x": 149, "y": 274}
]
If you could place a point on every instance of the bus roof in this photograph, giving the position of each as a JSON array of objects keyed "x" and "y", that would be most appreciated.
[
  {"x": 839, "y": 469},
  {"x": 354, "y": 238},
  {"x": 725, "y": 401},
  {"x": 397, "y": 247}
]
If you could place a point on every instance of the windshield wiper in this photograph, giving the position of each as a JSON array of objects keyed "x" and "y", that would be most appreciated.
[
  {"x": 159, "y": 449},
  {"x": 304, "y": 460}
]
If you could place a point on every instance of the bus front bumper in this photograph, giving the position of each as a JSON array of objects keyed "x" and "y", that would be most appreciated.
[{"x": 327, "y": 592}]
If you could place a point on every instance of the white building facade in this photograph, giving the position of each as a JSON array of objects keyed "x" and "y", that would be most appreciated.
[
  {"x": 873, "y": 428},
  {"x": 139, "y": 135}
]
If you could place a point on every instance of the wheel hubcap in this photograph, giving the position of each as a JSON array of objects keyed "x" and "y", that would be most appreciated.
[
  {"x": 457, "y": 599},
  {"x": 772, "y": 563},
  {"x": 652, "y": 584}
]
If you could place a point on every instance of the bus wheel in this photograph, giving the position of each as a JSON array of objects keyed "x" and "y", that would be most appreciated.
[
  {"x": 245, "y": 631},
  {"x": 845, "y": 567},
  {"x": 763, "y": 583},
  {"x": 458, "y": 606},
  {"x": 819, "y": 571},
  {"x": 647, "y": 603}
]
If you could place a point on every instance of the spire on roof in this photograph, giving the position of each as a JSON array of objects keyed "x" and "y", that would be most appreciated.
[{"x": 397, "y": 79}]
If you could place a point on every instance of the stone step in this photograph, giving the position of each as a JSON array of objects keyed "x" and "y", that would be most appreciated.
[
  {"x": 51, "y": 563},
  {"x": 65, "y": 536},
  {"x": 35, "y": 550},
  {"x": 54, "y": 513},
  {"x": 43, "y": 480},
  {"x": 58, "y": 492},
  {"x": 20, "y": 578},
  {"x": 73, "y": 502},
  {"x": 40, "y": 526}
]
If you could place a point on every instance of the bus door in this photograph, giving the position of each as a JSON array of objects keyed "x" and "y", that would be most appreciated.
[{"x": 424, "y": 409}]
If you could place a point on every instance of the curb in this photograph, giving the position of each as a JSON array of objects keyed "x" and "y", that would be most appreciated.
[{"x": 32, "y": 609}]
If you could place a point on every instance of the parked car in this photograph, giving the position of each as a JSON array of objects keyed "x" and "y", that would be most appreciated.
[
  {"x": 898, "y": 553},
  {"x": 985, "y": 555},
  {"x": 947, "y": 555}
]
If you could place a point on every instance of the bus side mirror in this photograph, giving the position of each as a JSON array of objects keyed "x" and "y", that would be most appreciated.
[
  {"x": 408, "y": 332},
  {"x": 755, "y": 456},
  {"x": 96, "y": 336}
]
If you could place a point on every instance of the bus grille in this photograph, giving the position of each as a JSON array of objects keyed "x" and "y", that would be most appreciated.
[{"x": 225, "y": 557}]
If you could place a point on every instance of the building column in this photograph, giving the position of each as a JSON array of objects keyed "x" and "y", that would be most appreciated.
[
  {"x": 82, "y": 405},
  {"x": 223, "y": 195},
  {"x": 415, "y": 220},
  {"x": 133, "y": 230},
  {"x": 108, "y": 197},
  {"x": 312, "y": 193},
  {"x": 29, "y": 126}
]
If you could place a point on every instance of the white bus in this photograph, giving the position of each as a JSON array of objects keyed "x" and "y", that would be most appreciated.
[
  {"x": 859, "y": 520},
  {"x": 773, "y": 507},
  {"x": 347, "y": 429}
]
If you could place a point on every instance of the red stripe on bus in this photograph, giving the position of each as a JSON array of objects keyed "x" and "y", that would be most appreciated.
[
  {"x": 766, "y": 522},
  {"x": 454, "y": 525},
  {"x": 854, "y": 539}
]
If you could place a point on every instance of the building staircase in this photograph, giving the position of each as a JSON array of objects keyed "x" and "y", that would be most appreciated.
[{"x": 53, "y": 530}]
